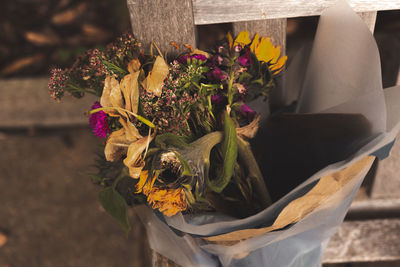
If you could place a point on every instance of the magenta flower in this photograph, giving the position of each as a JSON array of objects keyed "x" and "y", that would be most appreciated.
[
  {"x": 98, "y": 122},
  {"x": 217, "y": 75},
  {"x": 245, "y": 59},
  {"x": 218, "y": 99},
  {"x": 247, "y": 112},
  {"x": 199, "y": 57}
]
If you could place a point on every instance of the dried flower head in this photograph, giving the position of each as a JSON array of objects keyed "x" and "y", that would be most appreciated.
[{"x": 58, "y": 82}]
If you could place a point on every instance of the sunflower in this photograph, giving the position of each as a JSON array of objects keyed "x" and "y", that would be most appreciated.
[
  {"x": 263, "y": 48},
  {"x": 166, "y": 200}
]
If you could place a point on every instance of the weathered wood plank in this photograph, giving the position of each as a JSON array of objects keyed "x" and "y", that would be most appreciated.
[
  {"x": 162, "y": 22},
  {"x": 159, "y": 260},
  {"x": 25, "y": 102},
  {"x": 219, "y": 11},
  {"x": 361, "y": 241},
  {"x": 387, "y": 183}
]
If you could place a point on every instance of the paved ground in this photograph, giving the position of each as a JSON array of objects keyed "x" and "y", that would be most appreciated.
[{"x": 49, "y": 211}]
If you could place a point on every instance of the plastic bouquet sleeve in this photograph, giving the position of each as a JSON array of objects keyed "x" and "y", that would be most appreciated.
[{"x": 342, "y": 120}]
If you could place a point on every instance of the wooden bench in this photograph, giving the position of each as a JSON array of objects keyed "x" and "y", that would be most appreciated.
[{"x": 176, "y": 20}]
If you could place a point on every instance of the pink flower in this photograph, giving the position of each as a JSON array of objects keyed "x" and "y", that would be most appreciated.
[{"x": 98, "y": 122}]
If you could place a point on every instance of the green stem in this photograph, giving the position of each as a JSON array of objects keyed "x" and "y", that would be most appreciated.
[
  {"x": 254, "y": 173},
  {"x": 79, "y": 89},
  {"x": 230, "y": 86},
  {"x": 140, "y": 118}
]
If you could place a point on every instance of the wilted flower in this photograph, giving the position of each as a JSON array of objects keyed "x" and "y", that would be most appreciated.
[
  {"x": 98, "y": 122},
  {"x": 166, "y": 200}
]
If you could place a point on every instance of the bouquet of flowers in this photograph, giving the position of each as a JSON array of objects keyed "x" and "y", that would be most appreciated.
[
  {"x": 178, "y": 130},
  {"x": 176, "y": 133}
]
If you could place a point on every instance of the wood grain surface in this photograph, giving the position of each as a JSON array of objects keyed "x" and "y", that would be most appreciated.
[{"x": 219, "y": 11}]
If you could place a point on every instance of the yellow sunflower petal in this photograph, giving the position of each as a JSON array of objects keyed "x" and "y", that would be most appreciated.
[
  {"x": 230, "y": 39},
  {"x": 276, "y": 54},
  {"x": 242, "y": 39},
  {"x": 278, "y": 66},
  {"x": 255, "y": 42},
  {"x": 263, "y": 51}
]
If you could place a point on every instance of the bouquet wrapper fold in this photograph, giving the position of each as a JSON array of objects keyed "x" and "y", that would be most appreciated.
[{"x": 342, "y": 120}]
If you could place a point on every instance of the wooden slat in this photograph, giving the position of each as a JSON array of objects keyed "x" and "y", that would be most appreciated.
[
  {"x": 220, "y": 11},
  {"x": 362, "y": 241},
  {"x": 25, "y": 102},
  {"x": 386, "y": 184},
  {"x": 159, "y": 260},
  {"x": 162, "y": 22}
]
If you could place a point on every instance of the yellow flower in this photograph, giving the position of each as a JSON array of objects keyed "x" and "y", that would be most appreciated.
[
  {"x": 166, "y": 200},
  {"x": 263, "y": 48}
]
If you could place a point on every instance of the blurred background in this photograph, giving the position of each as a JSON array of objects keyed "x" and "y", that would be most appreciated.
[{"x": 49, "y": 213}]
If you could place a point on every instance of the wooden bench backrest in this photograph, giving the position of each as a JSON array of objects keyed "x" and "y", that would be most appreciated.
[{"x": 163, "y": 21}]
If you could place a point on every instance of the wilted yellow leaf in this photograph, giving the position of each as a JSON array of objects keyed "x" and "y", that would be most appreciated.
[
  {"x": 130, "y": 88},
  {"x": 250, "y": 130},
  {"x": 111, "y": 96},
  {"x": 117, "y": 145},
  {"x": 133, "y": 159},
  {"x": 131, "y": 132},
  {"x": 154, "y": 81},
  {"x": 134, "y": 65}
]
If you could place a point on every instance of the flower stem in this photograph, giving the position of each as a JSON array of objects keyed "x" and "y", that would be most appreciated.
[
  {"x": 138, "y": 117},
  {"x": 254, "y": 173}
]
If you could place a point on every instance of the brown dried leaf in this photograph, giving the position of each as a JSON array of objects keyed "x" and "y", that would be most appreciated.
[
  {"x": 39, "y": 38},
  {"x": 250, "y": 130},
  {"x": 117, "y": 145},
  {"x": 3, "y": 239},
  {"x": 154, "y": 81},
  {"x": 133, "y": 158},
  {"x": 21, "y": 63},
  {"x": 130, "y": 88},
  {"x": 93, "y": 33},
  {"x": 69, "y": 15},
  {"x": 134, "y": 65},
  {"x": 132, "y": 133},
  {"x": 299, "y": 208},
  {"x": 111, "y": 96}
]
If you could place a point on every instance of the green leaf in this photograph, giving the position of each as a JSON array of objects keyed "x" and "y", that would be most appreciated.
[
  {"x": 187, "y": 170},
  {"x": 229, "y": 152},
  {"x": 115, "y": 205},
  {"x": 169, "y": 139}
]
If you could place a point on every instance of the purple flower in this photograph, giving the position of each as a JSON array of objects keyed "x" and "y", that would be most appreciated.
[
  {"x": 245, "y": 59},
  {"x": 199, "y": 57},
  {"x": 216, "y": 75},
  {"x": 98, "y": 122},
  {"x": 247, "y": 112},
  {"x": 218, "y": 99}
]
